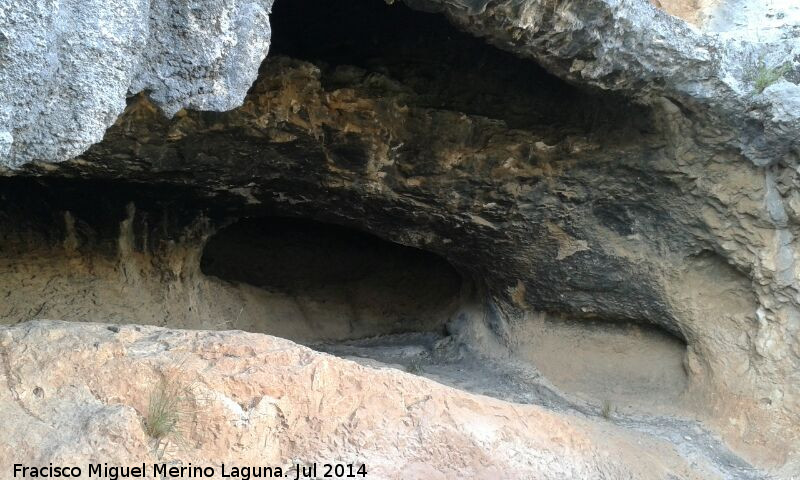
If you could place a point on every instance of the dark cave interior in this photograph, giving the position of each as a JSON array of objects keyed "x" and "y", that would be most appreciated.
[
  {"x": 404, "y": 288},
  {"x": 447, "y": 68}
]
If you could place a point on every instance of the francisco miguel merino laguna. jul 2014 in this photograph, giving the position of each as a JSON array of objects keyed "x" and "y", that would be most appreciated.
[{"x": 97, "y": 470}]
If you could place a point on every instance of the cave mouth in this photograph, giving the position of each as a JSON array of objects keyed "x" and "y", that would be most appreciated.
[
  {"x": 327, "y": 282},
  {"x": 159, "y": 255}
]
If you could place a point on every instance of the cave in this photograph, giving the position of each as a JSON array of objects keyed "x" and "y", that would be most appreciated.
[
  {"x": 329, "y": 282},
  {"x": 391, "y": 209},
  {"x": 171, "y": 256},
  {"x": 586, "y": 210}
]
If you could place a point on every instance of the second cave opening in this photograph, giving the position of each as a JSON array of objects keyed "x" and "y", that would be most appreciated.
[{"x": 327, "y": 282}]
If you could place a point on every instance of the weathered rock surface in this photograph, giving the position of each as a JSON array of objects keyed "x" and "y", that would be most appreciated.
[
  {"x": 66, "y": 68},
  {"x": 609, "y": 226},
  {"x": 657, "y": 185},
  {"x": 639, "y": 49},
  {"x": 74, "y": 394}
]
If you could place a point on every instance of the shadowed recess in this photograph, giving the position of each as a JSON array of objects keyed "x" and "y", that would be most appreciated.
[
  {"x": 449, "y": 69},
  {"x": 339, "y": 276}
]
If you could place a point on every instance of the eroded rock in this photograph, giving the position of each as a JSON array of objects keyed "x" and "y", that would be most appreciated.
[
  {"x": 67, "y": 67},
  {"x": 650, "y": 181},
  {"x": 74, "y": 394}
]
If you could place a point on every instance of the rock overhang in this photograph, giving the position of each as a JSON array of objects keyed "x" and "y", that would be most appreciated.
[{"x": 604, "y": 225}]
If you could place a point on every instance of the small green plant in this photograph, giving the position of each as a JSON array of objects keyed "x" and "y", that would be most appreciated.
[
  {"x": 766, "y": 76},
  {"x": 414, "y": 368},
  {"x": 607, "y": 410},
  {"x": 169, "y": 411}
]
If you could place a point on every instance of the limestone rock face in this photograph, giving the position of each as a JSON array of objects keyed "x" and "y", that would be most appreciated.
[
  {"x": 610, "y": 225},
  {"x": 600, "y": 160},
  {"x": 67, "y": 67},
  {"x": 74, "y": 394}
]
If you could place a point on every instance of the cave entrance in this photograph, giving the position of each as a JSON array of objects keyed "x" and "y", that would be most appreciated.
[{"x": 325, "y": 282}]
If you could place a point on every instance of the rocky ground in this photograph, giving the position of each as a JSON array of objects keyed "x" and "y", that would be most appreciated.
[
  {"x": 75, "y": 393},
  {"x": 510, "y": 379}
]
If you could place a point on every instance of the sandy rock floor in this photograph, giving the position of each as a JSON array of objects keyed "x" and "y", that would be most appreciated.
[{"x": 77, "y": 393}]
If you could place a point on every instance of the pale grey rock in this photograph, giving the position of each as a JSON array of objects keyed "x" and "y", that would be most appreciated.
[
  {"x": 67, "y": 67},
  {"x": 203, "y": 55},
  {"x": 66, "y": 71},
  {"x": 755, "y": 21}
]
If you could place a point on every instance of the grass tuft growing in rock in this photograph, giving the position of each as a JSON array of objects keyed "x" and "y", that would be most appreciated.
[
  {"x": 766, "y": 76},
  {"x": 162, "y": 412},
  {"x": 607, "y": 410},
  {"x": 169, "y": 412}
]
